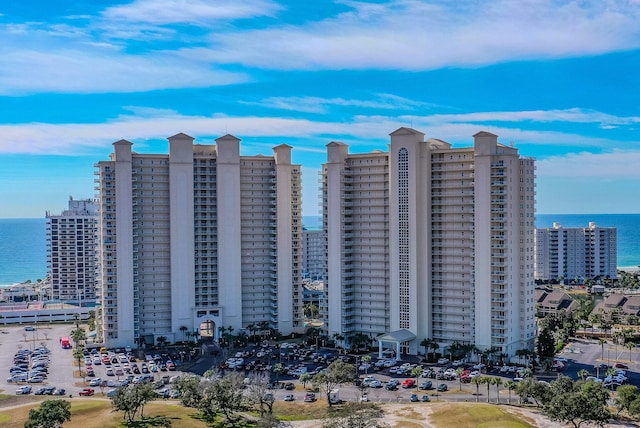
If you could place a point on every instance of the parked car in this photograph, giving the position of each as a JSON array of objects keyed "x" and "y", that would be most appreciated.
[
  {"x": 289, "y": 386},
  {"x": 59, "y": 391},
  {"x": 408, "y": 383},
  {"x": 23, "y": 390},
  {"x": 414, "y": 398},
  {"x": 309, "y": 397},
  {"x": 443, "y": 387},
  {"x": 425, "y": 399},
  {"x": 86, "y": 392},
  {"x": 289, "y": 397},
  {"x": 426, "y": 385}
]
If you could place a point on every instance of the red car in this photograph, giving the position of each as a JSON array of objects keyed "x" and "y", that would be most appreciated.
[
  {"x": 86, "y": 392},
  {"x": 408, "y": 383}
]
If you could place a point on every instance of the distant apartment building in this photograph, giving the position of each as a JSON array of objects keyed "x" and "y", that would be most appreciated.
[
  {"x": 554, "y": 302},
  {"x": 314, "y": 254},
  {"x": 430, "y": 241},
  {"x": 200, "y": 236},
  {"x": 575, "y": 253},
  {"x": 71, "y": 251}
]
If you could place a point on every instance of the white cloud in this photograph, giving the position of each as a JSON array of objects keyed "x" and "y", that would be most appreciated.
[
  {"x": 100, "y": 71},
  {"x": 417, "y": 35},
  {"x": 616, "y": 164},
  {"x": 200, "y": 12},
  {"x": 320, "y": 105},
  {"x": 104, "y": 54},
  {"x": 363, "y": 133}
]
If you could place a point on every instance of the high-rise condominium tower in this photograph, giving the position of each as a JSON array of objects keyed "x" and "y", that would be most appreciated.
[
  {"x": 201, "y": 236},
  {"x": 428, "y": 241},
  {"x": 576, "y": 253},
  {"x": 71, "y": 251}
]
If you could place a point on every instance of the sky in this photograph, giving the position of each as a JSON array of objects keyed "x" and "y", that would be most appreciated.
[{"x": 559, "y": 79}]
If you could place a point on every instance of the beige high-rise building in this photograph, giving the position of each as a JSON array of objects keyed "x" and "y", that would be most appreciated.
[
  {"x": 198, "y": 237},
  {"x": 431, "y": 241}
]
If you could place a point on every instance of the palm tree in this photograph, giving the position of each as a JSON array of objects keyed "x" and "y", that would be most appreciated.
[
  {"x": 459, "y": 372},
  {"x": 78, "y": 353},
  {"x": 583, "y": 374},
  {"x": 434, "y": 346},
  {"x": 602, "y": 342},
  {"x": 477, "y": 381},
  {"x": 510, "y": 385},
  {"x": 426, "y": 343},
  {"x": 78, "y": 335},
  {"x": 497, "y": 381},
  {"x": 417, "y": 372},
  {"x": 487, "y": 380},
  {"x": 183, "y": 329},
  {"x": 162, "y": 341},
  {"x": 76, "y": 317},
  {"x": 629, "y": 346},
  {"x": 251, "y": 327},
  {"x": 338, "y": 338},
  {"x": 365, "y": 360},
  {"x": 263, "y": 326}
]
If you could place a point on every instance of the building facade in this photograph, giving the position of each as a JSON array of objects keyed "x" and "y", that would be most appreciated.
[
  {"x": 432, "y": 242},
  {"x": 314, "y": 255},
  {"x": 198, "y": 237},
  {"x": 575, "y": 253},
  {"x": 71, "y": 251}
]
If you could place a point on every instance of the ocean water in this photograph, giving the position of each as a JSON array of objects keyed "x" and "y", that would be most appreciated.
[{"x": 23, "y": 251}]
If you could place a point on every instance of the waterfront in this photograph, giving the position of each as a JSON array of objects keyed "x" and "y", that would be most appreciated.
[{"x": 23, "y": 251}]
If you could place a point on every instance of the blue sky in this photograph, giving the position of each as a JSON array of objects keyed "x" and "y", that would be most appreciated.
[{"x": 559, "y": 79}]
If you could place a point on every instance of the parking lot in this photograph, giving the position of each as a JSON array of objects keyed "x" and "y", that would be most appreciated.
[
  {"x": 376, "y": 379},
  {"x": 23, "y": 356}
]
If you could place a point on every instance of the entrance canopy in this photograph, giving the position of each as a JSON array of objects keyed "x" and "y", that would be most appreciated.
[{"x": 397, "y": 337}]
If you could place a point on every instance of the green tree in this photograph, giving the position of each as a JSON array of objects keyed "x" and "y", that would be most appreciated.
[
  {"x": 91, "y": 322},
  {"x": 510, "y": 385},
  {"x": 78, "y": 354},
  {"x": 365, "y": 359},
  {"x": 626, "y": 394},
  {"x": 191, "y": 390},
  {"x": 224, "y": 397},
  {"x": 184, "y": 329},
  {"x": 78, "y": 335},
  {"x": 131, "y": 400},
  {"x": 582, "y": 374},
  {"x": 477, "y": 381},
  {"x": 278, "y": 369},
  {"x": 162, "y": 341},
  {"x": 426, "y": 344},
  {"x": 50, "y": 414},
  {"x": 359, "y": 340},
  {"x": 336, "y": 374},
  {"x": 529, "y": 388},
  {"x": 304, "y": 379},
  {"x": 417, "y": 372},
  {"x": 582, "y": 403},
  {"x": 546, "y": 344},
  {"x": 497, "y": 381}
]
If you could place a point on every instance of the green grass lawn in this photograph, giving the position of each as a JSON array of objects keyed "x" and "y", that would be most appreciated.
[{"x": 475, "y": 416}]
